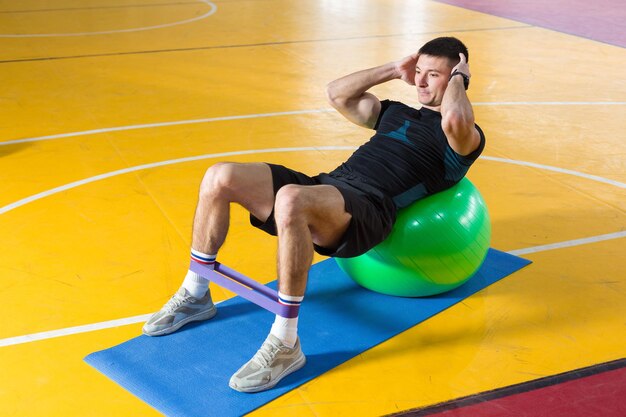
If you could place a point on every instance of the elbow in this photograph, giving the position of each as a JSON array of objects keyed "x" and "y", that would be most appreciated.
[
  {"x": 462, "y": 136},
  {"x": 331, "y": 94}
]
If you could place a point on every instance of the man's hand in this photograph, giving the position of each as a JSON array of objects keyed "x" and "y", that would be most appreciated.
[
  {"x": 462, "y": 66},
  {"x": 406, "y": 68}
]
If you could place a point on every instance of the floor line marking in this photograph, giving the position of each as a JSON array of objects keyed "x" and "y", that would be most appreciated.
[
  {"x": 212, "y": 10},
  {"x": 568, "y": 243},
  {"x": 284, "y": 113},
  {"x": 16, "y": 340},
  {"x": 556, "y": 169},
  {"x": 164, "y": 124},
  {"x": 68, "y": 331},
  {"x": 84, "y": 181},
  {"x": 262, "y": 44},
  {"x": 71, "y": 9}
]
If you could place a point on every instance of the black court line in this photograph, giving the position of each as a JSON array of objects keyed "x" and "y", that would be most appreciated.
[
  {"x": 252, "y": 45},
  {"x": 513, "y": 389},
  {"x": 126, "y": 6}
]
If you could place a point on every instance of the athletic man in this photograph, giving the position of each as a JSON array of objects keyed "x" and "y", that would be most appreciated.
[{"x": 343, "y": 213}]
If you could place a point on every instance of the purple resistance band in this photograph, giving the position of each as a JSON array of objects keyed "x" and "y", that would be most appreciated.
[{"x": 246, "y": 287}]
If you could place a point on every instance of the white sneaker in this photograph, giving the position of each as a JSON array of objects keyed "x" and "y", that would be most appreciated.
[
  {"x": 270, "y": 364},
  {"x": 181, "y": 309}
]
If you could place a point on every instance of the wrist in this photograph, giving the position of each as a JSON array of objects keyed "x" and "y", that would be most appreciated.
[
  {"x": 396, "y": 69},
  {"x": 465, "y": 77}
]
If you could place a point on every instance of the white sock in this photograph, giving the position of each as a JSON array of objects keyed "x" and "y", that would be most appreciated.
[
  {"x": 283, "y": 328},
  {"x": 196, "y": 285}
]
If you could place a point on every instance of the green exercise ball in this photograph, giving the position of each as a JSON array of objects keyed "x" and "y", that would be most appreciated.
[{"x": 436, "y": 244}]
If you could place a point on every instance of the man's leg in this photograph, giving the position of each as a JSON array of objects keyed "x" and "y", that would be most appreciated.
[
  {"x": 304, "y": 215},
  {"x": 249, "y": 185}
]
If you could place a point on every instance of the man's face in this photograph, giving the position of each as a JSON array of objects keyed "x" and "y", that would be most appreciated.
[{"x": 431, "y": 79}]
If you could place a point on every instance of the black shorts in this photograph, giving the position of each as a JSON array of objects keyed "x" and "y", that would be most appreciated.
[{"x": 373, "y": 214}]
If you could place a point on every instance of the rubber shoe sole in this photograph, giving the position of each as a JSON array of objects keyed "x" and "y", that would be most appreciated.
[
  {"x": 271, "y": 384},
  {"x": 205, "y": 315}
]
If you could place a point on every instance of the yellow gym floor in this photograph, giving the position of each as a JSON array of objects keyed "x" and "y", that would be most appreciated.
[{"x": 112, "y": 110}]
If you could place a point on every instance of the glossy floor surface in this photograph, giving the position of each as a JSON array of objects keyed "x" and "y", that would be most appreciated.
[{"x": 112, "y": 110}]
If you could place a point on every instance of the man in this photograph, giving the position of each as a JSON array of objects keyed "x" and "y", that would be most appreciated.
[{"x": 343, "y": 213}]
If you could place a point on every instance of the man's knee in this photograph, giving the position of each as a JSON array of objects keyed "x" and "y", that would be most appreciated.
[
  {"x": 220, "y": 178},
  {"x": 248, "y": 184},
  {"x": 291, "y": 204}
]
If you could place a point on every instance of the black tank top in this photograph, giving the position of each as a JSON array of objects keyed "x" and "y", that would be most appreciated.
[{"x": 409, "y": 156}]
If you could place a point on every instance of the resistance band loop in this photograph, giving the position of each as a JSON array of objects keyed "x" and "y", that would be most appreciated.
[{"x": 246, "y": 287}]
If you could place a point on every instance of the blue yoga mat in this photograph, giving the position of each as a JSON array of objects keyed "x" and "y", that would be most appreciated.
[{"x": 186, "y": 373}]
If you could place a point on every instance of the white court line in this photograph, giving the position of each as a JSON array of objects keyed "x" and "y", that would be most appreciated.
[
  {"x": 556, "y": 169},
  {"x": 212, "y": 10},
  {"x": 72, "y": 330},
  {"x": 79, "y": 183},
  {"x": 568, "y": 244},
  {"x": 10, "y": 341},
  {"x": 164, "y": 124},
  {"x": 285, "y": 113},
  {"x": 75, "y": 184}
]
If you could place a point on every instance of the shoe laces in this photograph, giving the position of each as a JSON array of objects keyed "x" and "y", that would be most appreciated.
[
  {"x": 177, "y": 300},
  {"x": 266, "y": 354}
]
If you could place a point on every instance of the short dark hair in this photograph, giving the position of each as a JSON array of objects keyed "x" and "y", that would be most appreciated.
[{"x": 445, "y": 46}]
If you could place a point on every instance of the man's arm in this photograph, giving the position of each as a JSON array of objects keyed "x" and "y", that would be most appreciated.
[
  {"x": 350, "y": 97},
  {"x": 457, "y": 116}
]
